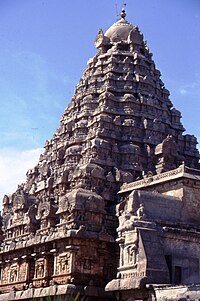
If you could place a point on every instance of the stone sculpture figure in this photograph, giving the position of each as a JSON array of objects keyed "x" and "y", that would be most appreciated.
[{"x": 140, "y": 212}]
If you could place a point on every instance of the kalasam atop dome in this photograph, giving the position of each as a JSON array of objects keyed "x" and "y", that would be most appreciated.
[
  {"x": 119, "y": 31},
  {"x": 124, "y": 31}
]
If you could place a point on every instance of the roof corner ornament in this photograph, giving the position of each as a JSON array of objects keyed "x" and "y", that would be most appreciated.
[{"x": 123, "y": 12}]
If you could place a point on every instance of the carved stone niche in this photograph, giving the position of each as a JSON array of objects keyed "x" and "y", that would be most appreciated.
[
  {"x": 46, "y": 213},
  {"x": 24, "y": 269},
  {"x": 19, "y": 203},
  {"x": 62, "y": 267},
  {"x": 40, "y": 276},
  {"x": 167, "y": 155},
  {"x": 63, "y": 263},
  {"x": 39, "y": 268},
  {"x": 4, "y": 273},
  {"x": 18, "y": 214},
  {"x": 14, "y": 273},
  {"x": 130, "y": 249},
  {"x": 65, "y": 209},
  {"x": 127, "y": 234}
]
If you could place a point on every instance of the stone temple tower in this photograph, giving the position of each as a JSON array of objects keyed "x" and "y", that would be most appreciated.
[{"x": 59, "y": 227}]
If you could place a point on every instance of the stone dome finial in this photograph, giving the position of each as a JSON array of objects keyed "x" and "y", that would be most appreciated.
[{"x": 123, "y": 12}]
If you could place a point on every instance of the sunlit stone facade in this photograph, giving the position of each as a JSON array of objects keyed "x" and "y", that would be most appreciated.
[{"x": 111, "y": 210}]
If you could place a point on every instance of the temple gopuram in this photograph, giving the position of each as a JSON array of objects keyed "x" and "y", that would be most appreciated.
[{"x": 111, "y": 210}]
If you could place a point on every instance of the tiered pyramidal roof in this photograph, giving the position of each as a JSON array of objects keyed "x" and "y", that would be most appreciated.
[
  {"x": 118, "y": 117},
  {"x": 119, "y": 126}
]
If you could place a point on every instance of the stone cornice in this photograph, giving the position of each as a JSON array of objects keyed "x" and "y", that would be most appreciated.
[{"x": 181, "y": 172}]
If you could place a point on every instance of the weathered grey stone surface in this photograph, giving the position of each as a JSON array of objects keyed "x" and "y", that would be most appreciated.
[
  {"x": 119, "y": 130},
  {"x": 159, "y": 237}
]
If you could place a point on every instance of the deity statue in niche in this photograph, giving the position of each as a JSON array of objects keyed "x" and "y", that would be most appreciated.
[
  {"x": 13, "y": 273},
  {"x": 4, "y": 275},
  {"x": 63, "y": 264},
  {"x": 87, "y": 264},
  {"x": 19, "y": 203},
  {"x": 39, "y": 269},
  {"x": 131, "y": 250}
]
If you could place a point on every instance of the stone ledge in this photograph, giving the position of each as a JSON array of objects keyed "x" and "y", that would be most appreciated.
[
  {"x": 40, "y": 292},
  {"x": 178, "y": 292},
  {"x": 56, "y": 290},
  {"x": 126, "y": 284}
]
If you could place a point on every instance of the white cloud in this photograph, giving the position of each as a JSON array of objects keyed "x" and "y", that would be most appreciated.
[
  {"x": 193, "y": 87},
  {"x": 183, "y": 91},
  {"x": 13, "y": 167}
]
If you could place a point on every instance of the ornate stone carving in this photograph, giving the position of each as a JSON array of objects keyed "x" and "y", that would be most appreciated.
[
  {"x": 141, "y": 212},
  {"x": 39, "y": 268},
  {"x": 63, "y": 264},
  {"x": 119, "y": 130},
  {"x": 14, "y": 273}
]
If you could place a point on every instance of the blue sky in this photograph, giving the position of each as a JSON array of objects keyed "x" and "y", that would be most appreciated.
[{"x": 44, "y": 47}]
